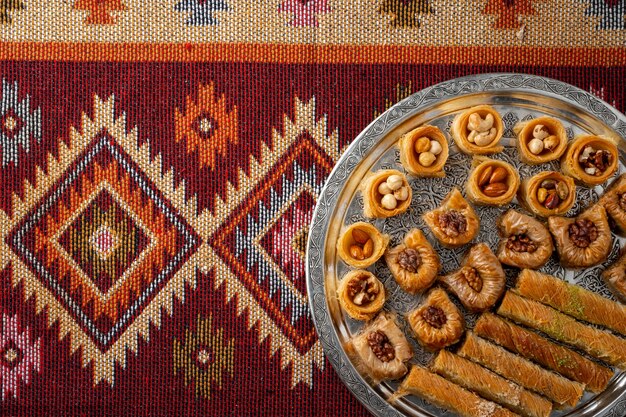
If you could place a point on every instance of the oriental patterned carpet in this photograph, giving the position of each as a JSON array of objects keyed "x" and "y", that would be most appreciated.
[{"x": 160, "y": 164}]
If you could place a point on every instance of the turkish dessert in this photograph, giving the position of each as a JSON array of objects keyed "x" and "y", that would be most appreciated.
[
  {"x": 361, "y": 244},
  {"x": 525, "y": 243},
  {"x": 381, "y": 350},
  {"x": 414, "y": 263},
  {"x": 480, "y": 281},
  {"x": 361, "y": 294},
  {"x": 590, "y": 159},
  {"x": 490, "y": 386},
  {"x": 614, "y": 202},
  {"x": 548, "y": 193},
  {"x": 386, "y": 193},
  {"x": 477, "y": 131},
  {"x": 572, "y": 299},
  {"x": 445, "y": 394},
  {"x": 540, "y": 140},
  {"x": 615, "y": 278},
  {"x": 424, "y": 151},
  {"x": 454, "y": 223},
  {"x": 437, "y": 323},
  {"x": 491, "y": 182},
  {"x": 582, "y": 241},
  {"x": 563, "y": 392},
  {"x": 544, "y": 352},
  {"x": 598, "y": 343}
]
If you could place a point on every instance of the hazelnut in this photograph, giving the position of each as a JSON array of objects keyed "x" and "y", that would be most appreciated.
[
  {"x": 435, "y": 147},
  {"x": 422, "y": 145},
  {"x": 402, "y": 193},
  {"x": 540, "y": 132},
  {"x": 383, "y": 188},
  {"x": 427, "y": 159},
  {"x": 389, "y": 202},
  {"x": 394, "y": 182},
  {"x": 551, "y": 142},
  {"x": 535, "y": 146}
]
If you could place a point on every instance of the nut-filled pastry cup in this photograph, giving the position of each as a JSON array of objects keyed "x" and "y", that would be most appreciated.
[
  {"x": 361, "y": 244},
  {"x": 480, "y": 281},
  {"x": 525, "y": 242},
  {"x": 615, "y": 278},
  {"x": 548, "y": 193},
  {"x": 361, "y": 294},
  {"x": 380, "y": 350},
  {"x": 437, "y": 323},
  {"x": 491, "y": 182},
  {"x": 477, "y": 130},
  {"x": 582, "y": 241},
  {"x": 414, "y": 263},
  {"x": 540, "y": 140},
  {"x": 590, "y": 159},
  {"x": 614, "y": 202},
  {"x": 424, "y": 151},
  {"x": 454, "y": 223},
  {"x": 386, "y": 193}
]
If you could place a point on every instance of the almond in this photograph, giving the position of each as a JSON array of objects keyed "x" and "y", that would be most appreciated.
[
  {"x": 368, "y": 248},
  {"x": 485, "y": 176},
  {"x": 499, "y": 175},
  {"x": 356, "y": 252},
  {"x": 495, "y": 189},
  {"x": 360, "y": 236}
]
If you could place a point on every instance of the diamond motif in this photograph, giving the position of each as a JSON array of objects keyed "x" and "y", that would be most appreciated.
[
  {"x": 18, "y": 123},
  {"x": 104, "y": 241}
]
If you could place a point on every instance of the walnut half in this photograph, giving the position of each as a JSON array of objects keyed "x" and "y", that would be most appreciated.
[{"x": 380, "y": 345}]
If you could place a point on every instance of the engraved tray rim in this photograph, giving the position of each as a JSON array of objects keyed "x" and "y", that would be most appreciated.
[{"x": 611, "y": 402}]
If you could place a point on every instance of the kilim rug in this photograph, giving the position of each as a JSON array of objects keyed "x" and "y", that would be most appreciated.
[{"x": 159, "y": 167}]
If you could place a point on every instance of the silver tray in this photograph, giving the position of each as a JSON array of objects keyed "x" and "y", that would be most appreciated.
[{"x": 517, "y": 97}]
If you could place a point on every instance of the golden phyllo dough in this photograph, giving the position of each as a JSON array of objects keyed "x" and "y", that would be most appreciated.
[
  {"x": 445, "y": 394},
  {"x": 414, "y": 264},
  {"x": 562, "y": 391},
  {"x": 590, "y": 159},
  {"x": 525, "y": 243},
  {"x": 361, "y": 244},
  {"x": 491, "y": 182},
  {"x": 480, "y": 281},
  {"x": 540, "y": 350},
  {"x": 549, "y": 193},
  {"x": 615, "y": 278},
  {"x": 380, "y": 350},
  {"x": 454, "y": 223},
  {"x": 490, "y": 385},
  {"x": 573, "y": 300},
  {"x": 583, "y": 241},
  {"x": 540, "y": 140},
  {"x": 424, "y": 151},
  {"x": 437, "y": 323},
  {"x": 386, "y": 193},
  {"x": 614, "y": 202},
  {"x": 361, "y": 294},
  {"x": 477, "y": 131}
]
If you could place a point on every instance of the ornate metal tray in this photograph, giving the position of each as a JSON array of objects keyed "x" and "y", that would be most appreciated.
[{"x": 516, "y": 97}]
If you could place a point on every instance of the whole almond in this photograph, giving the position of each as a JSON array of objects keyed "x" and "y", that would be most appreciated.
[
  {"x": 495, "y": 189},
  {"x": 368, "y": 248},
  {"x": 485, "y": 176},
  {"x": 360, "y": 236},
  {"x": 356, "y": 252},
  {"x": 499, "y": 175}
]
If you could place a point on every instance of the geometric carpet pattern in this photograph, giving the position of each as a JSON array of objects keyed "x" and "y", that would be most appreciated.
[{"x": 161, "y": 162}]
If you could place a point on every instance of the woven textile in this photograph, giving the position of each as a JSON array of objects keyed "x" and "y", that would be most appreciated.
[{"x": 160, "y": 163}]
